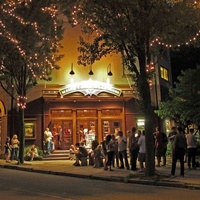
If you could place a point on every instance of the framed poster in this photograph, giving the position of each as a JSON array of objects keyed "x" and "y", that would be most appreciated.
[{"x": 29, "y": 130}]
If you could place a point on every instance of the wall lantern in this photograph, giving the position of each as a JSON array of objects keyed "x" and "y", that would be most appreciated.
[
  {"x": 109, "y": 72},
  {"x": 72, "y": 71},
  {"x": 91, "y": 72}
]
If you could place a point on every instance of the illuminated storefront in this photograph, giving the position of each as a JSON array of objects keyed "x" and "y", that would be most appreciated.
[{"x": 87, "y": 110}]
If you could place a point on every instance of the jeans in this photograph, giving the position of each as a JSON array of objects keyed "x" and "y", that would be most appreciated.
[
  {"x": 14, "y": 154},
  {"x": 123, "y": 157},
  {"x": 133, "y": 158},
  {"x": 178, "y": 153},
  {"x": 192, "y": 156},
  {"x": 110, "y": 158},
  {"x": 48, "y": 147}
]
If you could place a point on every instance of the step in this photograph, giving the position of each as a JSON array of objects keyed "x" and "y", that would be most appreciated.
[{"x": 57, "y": 155}]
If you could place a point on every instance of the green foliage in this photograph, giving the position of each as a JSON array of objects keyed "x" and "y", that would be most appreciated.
[
  {"x": 30, "y": 40},
  {"x": 40, "y": 152},
  {"x": 184, "y": 103}
]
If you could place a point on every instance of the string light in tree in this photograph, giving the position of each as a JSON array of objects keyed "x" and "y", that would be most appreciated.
[
  {"x": 88, "y": 21},
  {"x": 21, "y": 102},
  {"x": 9, "y": 8}
]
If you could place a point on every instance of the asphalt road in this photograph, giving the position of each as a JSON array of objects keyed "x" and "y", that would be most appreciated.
[{"x": 22, "y": 185}]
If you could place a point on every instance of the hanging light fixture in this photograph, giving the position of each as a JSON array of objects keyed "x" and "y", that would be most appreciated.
[
  {"x": 72, "y": 71},
  {"x": 91, "y": 72},
  {"x": 109, "y": 72}
]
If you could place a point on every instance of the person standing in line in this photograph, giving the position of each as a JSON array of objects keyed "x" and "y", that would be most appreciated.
[
  {"x": 115, "y": 156},
  {"x": 133, "y": 148},
  {"x": 103, "y": 144},
  {"x": 160, "y": 146},
  {"x": 122, "y": 149},
  {"x": 15, "y": 148},
  {"x": 142, "y": 151},
  {"x": 191, "y": 148},
  {"x": 179, "y": 149},
  {"x": 7, "y": 149},
  {"x": 110, "y": 148},
  {"x": 171, "y": 136}
]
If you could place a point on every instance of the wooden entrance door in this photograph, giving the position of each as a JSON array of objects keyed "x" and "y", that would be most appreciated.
[{"x": 63, "y": 133}]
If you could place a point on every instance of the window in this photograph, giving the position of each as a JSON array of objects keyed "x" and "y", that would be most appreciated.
[
  {"x": 61, "y": 113},
  {"x": 164, "y": 73}
]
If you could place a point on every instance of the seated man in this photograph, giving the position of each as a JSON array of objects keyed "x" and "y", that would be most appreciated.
[
  {"x": 33, "y": 153},
  {"x": 80, "y": 153}
]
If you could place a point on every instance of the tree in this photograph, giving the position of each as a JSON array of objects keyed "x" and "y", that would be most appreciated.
[
  {"x": 129, "y": 27},
  {"x": 134, "y": 29},
  {"x": 184, "y": 104},
  {"x": 30, "y": 32}
]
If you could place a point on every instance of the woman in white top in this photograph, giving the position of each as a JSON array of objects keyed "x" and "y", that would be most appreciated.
[{"x": 15, "y": 148}]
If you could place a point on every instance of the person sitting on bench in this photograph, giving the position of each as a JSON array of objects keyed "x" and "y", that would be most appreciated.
[{"x": 80, "y": 153}]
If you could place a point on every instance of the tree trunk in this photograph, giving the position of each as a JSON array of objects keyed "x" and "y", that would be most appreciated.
[
  {"x": 147, "y": 109},
  {"x": 21, "y": 135}
]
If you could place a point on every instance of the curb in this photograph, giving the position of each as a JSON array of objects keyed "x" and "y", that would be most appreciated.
[{"x": 111, "y": 179}]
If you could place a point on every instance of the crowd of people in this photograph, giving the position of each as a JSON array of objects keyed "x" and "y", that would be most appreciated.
[{"x": 112, "y": 151}]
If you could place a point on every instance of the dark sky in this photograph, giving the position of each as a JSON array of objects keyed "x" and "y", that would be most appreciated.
[{"x": 183, "y": 58}]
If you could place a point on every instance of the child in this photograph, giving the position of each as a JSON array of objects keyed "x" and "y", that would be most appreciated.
[
  {"x": 7, "y": 149},
  {"x": 72, "y": 151}
]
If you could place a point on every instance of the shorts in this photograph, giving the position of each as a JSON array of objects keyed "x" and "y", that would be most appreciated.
[
  {"x": 141, "y": 157},
  {"x": 161, "y": 151}
]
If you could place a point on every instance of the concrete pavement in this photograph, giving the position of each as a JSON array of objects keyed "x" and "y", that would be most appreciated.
[{"x": 191, "y": 179}]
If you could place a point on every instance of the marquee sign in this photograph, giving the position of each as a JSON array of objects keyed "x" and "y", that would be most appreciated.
[{"x": 89, "y": 87}]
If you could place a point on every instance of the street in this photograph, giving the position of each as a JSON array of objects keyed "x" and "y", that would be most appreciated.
[{"x": 27, "y": 185}]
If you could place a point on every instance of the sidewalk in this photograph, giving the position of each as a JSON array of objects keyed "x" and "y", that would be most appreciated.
[{"x": 66, "y": 168}]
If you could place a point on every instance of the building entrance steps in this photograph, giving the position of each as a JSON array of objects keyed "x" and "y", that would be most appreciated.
[{"x": 57, "y": 155}]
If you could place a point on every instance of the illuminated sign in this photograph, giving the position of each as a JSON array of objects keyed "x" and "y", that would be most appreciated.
[{"x": 89, "y": 87}]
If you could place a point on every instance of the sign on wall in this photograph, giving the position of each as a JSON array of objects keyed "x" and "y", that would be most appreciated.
[{"x": 90, "y": 87}]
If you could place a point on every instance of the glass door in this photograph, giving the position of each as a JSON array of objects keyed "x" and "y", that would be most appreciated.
[
  {"x": 111, "y": 126},
  {"x": 86, "y": 131},
  {"x": 63, "y": 133}
]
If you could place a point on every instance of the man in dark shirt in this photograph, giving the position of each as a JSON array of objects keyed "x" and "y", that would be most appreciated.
[
  {"x": 81, "y": 152},
  {"x": 179, "y": 149}
]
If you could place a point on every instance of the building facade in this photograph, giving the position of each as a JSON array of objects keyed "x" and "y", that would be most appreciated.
[{"x": 79, "y": 105}]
